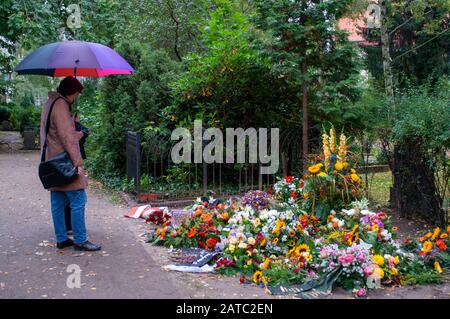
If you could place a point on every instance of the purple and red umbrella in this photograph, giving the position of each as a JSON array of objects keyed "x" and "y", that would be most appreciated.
[{"x": 74, "y": 58}]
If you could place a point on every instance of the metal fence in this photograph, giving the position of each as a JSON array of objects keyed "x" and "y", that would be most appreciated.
[{"x": 149, "y": 164}]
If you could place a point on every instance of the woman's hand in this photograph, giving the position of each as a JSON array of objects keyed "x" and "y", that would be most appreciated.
[{"x": 79, "y": 135}]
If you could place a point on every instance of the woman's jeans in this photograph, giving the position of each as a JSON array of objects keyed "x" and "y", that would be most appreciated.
[{"x": 77, "y": 201}]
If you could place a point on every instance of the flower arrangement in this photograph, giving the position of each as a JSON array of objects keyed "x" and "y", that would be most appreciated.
[
  {"x": 256, "y": 199},
  {"x": 331, "y": 183},
  {"x": 160, "y": 217},
  {"x": 297, "y": 235}
]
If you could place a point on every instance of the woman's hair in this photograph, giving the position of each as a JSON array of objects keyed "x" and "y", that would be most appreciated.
[{"x": 69, "y": 86}]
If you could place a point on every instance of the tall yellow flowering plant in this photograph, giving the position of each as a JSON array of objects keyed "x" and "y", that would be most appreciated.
[{"x": 331, "y": 183}]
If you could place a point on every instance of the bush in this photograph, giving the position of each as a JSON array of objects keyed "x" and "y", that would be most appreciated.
[{"x": 20, "y": 117}]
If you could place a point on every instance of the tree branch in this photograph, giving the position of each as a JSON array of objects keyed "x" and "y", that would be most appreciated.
[{"x": 420, "y": 45}]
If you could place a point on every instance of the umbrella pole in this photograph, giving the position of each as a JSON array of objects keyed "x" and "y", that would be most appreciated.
[{"x": 75, "y": 69}]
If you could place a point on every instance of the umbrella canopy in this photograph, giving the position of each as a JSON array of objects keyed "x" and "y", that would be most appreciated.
[{"x": 74, "y": 58}]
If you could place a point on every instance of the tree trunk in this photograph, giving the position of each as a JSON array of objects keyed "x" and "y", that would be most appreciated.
[{"x": 305, "y": 116}]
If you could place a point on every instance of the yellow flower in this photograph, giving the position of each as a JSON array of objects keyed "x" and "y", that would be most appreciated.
[
  {"x": 378, "y": 259},
  {"x": 396, "y": 260},
  {"x": 394, "y": 228},
  {"x": 436, "y": 233},
  {"x": 394, "y": 271},
  {"x": 266, "y": 264},
  {"x": 275, "y": 241},
  {"x": 302, "y": 248},
  {"x": 427, "y": 246},
  {"x": 322, "y": 174},
  {"x": 339, "y": 166},
  {"x": 314, "y": 169},
  {"x": 375, "y": 228},
  {"x": 444, "y": 235},
  {"x": 249, "y": 262},
  {"x": 353, "y": 171},
  {"x": 231, "y": 248},
  {"x": 378, "y": 272},
  {"x": 437, "y": 266},
  {"x": 428, "y": 235},
  {"x": 257, "y": 277},
  {"x": 345, "y": 164},
  {"x": 355, "y": 177},
  {"x": 249, "y": 253},
  {"x": 306, "y": 195}
]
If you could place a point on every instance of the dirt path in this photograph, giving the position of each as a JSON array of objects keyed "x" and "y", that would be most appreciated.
[{"x": 31, "y": 267}]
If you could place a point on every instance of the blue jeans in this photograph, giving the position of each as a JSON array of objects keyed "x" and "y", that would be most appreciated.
[{"x": 77, "y": 201}]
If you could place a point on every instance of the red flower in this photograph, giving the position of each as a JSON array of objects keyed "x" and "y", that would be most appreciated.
[
  {"x": 289, "y": 179},
  {"x": 201, "y": 244},
  {"x": 441, "y": 245},
  {"x": 202, "y": 234},
  {"x": 242, "y": 279},
  {"x": 296, "y": 271},
  {"x": 294, "y": 194},
  {"x": 302, "y": 183},
  {"x": 211, "y": 242}
]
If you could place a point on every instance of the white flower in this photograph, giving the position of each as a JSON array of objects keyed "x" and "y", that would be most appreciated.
[
  {"x": 284, "y": 238},
  {"x": 365, "y": 212},
  {"x": 251, "y": 241},
  {"x": 242, "y": 245},
  {"x": 349, "y": 212},
  {"x": 385, "y": 234},
  {"x": 333, "y": 212}
]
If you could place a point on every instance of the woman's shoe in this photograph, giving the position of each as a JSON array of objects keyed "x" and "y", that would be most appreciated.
[
  {"x": 87, "y": 246},
  {"x": 64, "y": 244}
]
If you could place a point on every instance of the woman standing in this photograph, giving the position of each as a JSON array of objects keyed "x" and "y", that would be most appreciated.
[{"x": 61, "y": 137}]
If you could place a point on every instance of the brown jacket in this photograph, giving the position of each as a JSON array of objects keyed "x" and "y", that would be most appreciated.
[{"x": 62, "y": 137}]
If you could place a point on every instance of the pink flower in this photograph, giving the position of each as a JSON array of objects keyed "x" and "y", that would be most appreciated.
[
  {"x": 361, "y": 292},
  {"x": 346, "y": 260},
  {"x": 368, "y": 270},
  {"x": 361, "y": 257}
]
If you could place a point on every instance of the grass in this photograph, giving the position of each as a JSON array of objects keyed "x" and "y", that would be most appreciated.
[{"x": 379, "y": 186}]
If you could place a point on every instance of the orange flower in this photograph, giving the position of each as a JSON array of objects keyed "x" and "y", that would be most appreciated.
[
  {"x": 441, "y": 244},
  {"x": 206, "y": 217},
  {"x": 444, "y": 235},
  {"x": 198, "y": 212},
  {"x": 225, "y": 216},
  {"x": 173, "y": 233},
  {"x": 163, "y": 233},
  {"x": 291, "y": 233},
  {"x": 192, "y": 232}
]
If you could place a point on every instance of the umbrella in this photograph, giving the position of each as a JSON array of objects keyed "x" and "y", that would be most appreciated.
[{"x": 74, "y": 58}]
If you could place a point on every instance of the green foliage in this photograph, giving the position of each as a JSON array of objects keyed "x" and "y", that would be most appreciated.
[
  {"x": 125, "y": 103},
  {"x": 420, "y": 42},
  {"x": 20, "y": 117},
  {"x": 227, "y": 85}
]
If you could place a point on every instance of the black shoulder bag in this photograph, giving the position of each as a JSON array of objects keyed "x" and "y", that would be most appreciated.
[{"x": 58, "y": 170}]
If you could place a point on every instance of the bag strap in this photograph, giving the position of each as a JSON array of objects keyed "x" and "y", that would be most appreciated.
[{"x": 47, "y": 128}]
